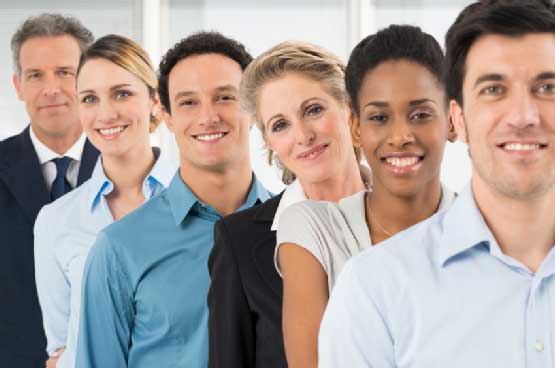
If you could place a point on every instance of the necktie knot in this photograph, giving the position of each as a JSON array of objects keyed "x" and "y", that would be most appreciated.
[{"x": 60, "y": 186}]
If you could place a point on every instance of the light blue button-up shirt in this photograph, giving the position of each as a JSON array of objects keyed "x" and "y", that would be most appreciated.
[
  {"x": 65, "y": 231},
  {"x": 146, "y": 284},
  {"x": 441, "y": 294}
]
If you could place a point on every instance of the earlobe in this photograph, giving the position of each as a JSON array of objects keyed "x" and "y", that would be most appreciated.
[
  {"x": 16, "y": 84},
  {"x": 457, "y": 128}
]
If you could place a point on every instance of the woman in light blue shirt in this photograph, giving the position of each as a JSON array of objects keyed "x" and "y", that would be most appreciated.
[{"x": 118, "y": 108}]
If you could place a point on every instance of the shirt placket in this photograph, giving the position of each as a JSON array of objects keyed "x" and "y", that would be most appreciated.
[{"x": 539, "y": 324}]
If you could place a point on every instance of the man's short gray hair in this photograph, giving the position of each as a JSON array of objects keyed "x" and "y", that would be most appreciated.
[{"x": 48, "y": 24}]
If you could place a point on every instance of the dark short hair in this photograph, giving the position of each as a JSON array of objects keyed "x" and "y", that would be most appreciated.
[
  {"x": 48, "y": 24},
  {"x": 198, "y": 44},
  {"x": 395, "y": 42},
  {"x": 509, "y": 18}
]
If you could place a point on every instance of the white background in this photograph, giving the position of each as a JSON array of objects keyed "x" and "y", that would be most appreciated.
[{"x": 157, "y": 24}]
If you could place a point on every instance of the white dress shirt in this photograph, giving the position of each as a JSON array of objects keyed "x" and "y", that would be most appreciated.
[
  {"x": 46, "y": 155},
  {"x": 65, "y": 231}
]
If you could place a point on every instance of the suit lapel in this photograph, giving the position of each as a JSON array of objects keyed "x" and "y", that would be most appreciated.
[
  {"x": 263, "y": 251},
  {"x": 24, "y": 177},
  {"x": 88, "y": 160}
]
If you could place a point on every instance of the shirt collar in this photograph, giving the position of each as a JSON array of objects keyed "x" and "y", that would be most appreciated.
[
  {"x": 160, "y": 174},
  {"x": 464, "y": 228},
  {"x": 45, "y": 154},
  {"x": 293, "y": 193},
  {"x": 182, "y": 199}
]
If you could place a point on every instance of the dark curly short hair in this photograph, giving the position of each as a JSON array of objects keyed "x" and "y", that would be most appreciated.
[
  {"x": 395, "y": 42},
  {"x": 509, "y": 18},
  {"x": 198, "y": 44}
]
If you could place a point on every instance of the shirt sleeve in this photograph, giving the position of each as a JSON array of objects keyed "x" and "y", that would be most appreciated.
[
  {"x": 106, "y": 309},
  {"x": 53, "y": 288},
  {"x": 354, "y": 332},
  {"x": 307, "y": 225},
  {"x": 230, "y": 326}
]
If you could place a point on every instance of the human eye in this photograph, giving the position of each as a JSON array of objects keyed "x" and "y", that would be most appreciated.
[
  {"x": 313, "y": 110},
  {"x": 420, "y": 116},
  {"x": 89, "y": 99},
  {"x": 377, "y": 118},
  {"x": 121, "y": 94},
  {"x": 187, "y": 102},
  {"x": 492, "y": 90},
  {"x": 279, "y": 125},
  {"x": 64, "y": 73},
  {"x": 226, "y": 98},
  {"x": 33, "y": 75},
  {"x": 547, "y": 88}
]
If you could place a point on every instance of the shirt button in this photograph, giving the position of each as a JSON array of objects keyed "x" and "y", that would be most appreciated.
[{"x": 538, "y": 346}]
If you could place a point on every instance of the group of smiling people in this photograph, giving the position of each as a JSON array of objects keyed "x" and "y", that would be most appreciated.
[{"x": 143, "y": 266}]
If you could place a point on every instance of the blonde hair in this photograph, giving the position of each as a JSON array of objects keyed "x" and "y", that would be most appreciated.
[
  {"x": 129, "y": 55},
  {"x": 305, "y": 59}
]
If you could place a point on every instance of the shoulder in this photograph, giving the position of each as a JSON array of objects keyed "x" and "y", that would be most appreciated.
[
  {"x": 65, "y": 208},
  {"x": 246, "y": 217},
  {"x": 9, "y": 148},
  {"x": 314, "y": 214}
]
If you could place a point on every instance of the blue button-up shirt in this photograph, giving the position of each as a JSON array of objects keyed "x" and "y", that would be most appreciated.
[
  {"x": 146, "y": 284},
  {"x": 65, "y": 231},
  {"x": 441, "y": 294}
]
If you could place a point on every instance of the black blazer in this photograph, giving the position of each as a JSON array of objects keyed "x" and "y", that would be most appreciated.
[
  {"x": 23, "y": 192},
  {"x": 245, "y": 297}
]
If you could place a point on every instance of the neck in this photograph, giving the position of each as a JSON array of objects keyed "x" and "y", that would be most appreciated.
[
  {"x": 523, "y": 228},
  {"x": 387, "y": 213},
  {"x": 224, "y": 190},
  {"x": 337, "y": 186},
  {"x": 128, "y": 172},
  {"x": 59, "y": 143}
]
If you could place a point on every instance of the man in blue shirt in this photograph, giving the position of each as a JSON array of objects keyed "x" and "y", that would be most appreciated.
[
  {"x": 473, "y": 286},
  {"x": 146, "y": 279}
]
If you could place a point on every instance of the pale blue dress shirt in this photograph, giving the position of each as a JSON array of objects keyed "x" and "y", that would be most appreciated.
[
  {"x": 146, "y": 284},
  {"x": 441, "y": 294},
  {"x": 65, "y": 231}
]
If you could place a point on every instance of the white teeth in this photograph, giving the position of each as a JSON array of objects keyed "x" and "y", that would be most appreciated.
[
  {"x": 209, "y": 137},
  {"x": 401, "y": 161},
  {"x": 521, "y": 147},
  {"x": 111, "y": 131}
]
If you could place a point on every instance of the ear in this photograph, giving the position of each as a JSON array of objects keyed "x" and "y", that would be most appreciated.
[
  {"x": 17, "y": 85},
  {"x": 168, "y": 120},
  {"x": 456, "y": 120},
  {"x": 452, "y": 133},
  {"x": 354, "y": 125}
]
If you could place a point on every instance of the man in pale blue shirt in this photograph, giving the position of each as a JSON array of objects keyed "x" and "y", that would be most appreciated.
[
  {"x": 473, "y": 286},
  {"x": 146, "y": 279}
]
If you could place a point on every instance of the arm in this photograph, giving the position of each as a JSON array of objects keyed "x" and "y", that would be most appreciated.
[
  {"x": 53, "y": 288},
  {"x": 354, "y": 332},
  {"x": 305, "y": 295},
  {"x": 230, "y": 327},
  {"x": 106, "y": 309}
]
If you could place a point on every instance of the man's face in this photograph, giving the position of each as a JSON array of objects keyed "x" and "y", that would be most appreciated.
[
  {"x": 508, "y": 117},
  {"x": 47, "y": 83},
  {"x": 211, "y": 130}
]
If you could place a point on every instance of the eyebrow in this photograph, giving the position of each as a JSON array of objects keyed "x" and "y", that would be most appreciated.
[
  {"x": 113, "y": 88},
  {"x": 490, "y": 77},
  {"x": 376, "y": 104},
  {"x": 545, "y": 75},
  {"x": 227, "y": 87}
]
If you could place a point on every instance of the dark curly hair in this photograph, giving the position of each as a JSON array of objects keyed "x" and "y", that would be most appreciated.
[
  {"x": 198, "y": 44},
  {"x": 392, "y": 43},
  {"x": 510, "y": 18}
]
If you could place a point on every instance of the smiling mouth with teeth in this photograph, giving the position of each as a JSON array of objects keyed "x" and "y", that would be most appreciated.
[
  {"x": 522, "y": 146},
  {"x": 209, "y": 137},
  {"x": 112, "y": 131},
  {"x": 401, "y": 161}
]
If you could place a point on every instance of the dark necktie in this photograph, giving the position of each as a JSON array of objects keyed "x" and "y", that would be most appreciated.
[{"x": 60, "y": 185}]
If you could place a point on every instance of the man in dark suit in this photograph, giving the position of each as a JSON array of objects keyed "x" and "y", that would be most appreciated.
[{"x": 49, "y": 158}]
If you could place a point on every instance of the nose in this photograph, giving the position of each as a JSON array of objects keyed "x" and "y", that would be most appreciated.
[
  {"x": 304, "y": 134},
  {"x": 522, "y": 110},
  {"x": 208, "y": 115},
  {"x": 400, "y": 133},
  {"x": 51, "y": 86},
  {"x": 106, "y": 112}
]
